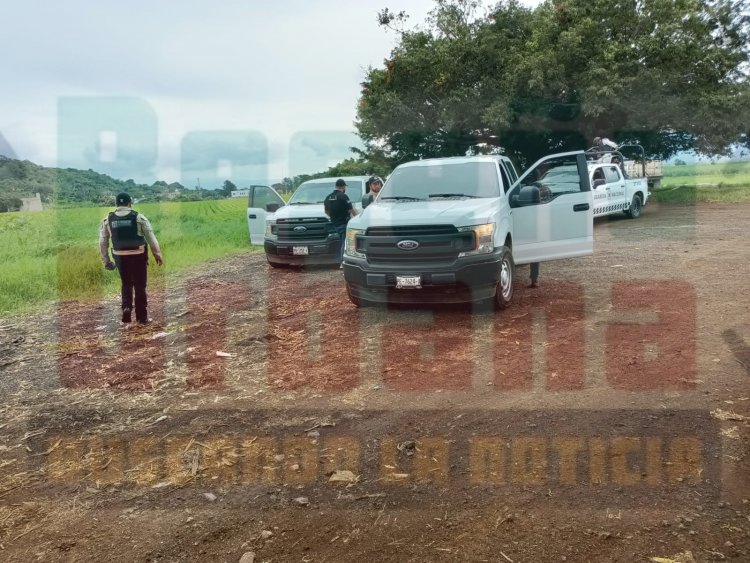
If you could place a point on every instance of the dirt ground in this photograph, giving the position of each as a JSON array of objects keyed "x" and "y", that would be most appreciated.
[{"x": 604, "y": 416}]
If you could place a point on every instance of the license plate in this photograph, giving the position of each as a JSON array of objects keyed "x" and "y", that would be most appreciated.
[
  {"x": 403, "y": 282},
  {"x": 300, "y": 251}
]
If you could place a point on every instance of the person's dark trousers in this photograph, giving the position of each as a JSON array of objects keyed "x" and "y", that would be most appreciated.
[
  {"x": 341, "y": 230},
  {"x": 134, "y": 274},
  {"x": 534, "y": 272}
]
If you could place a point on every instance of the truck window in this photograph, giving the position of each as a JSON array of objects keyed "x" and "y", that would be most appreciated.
[
  {"x": 260, "y": 196},
  {"x": 504, "y": 175},
  {"x": 611, "y": 174},
  {"x": 550, "y": 179},
  {"x": 511, "y": 171},
  {"x": 443, "y": 180},
  {"x": 316, "y": 192}
]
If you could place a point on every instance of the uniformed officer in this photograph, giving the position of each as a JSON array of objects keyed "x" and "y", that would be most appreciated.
[
  {"x": 375, "y": 184},
  {"x": 339, "y": 209},
  {"x": 130, "y": 232}
]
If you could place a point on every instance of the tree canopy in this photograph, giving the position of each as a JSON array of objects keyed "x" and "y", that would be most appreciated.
[
  {"x": 228, "y": 187},
  {"x": 671, "y": 76}
]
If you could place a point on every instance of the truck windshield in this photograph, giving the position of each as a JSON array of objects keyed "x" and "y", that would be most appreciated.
[
  {"x": 448, "y": 180},
  {"x": 562, "y": 174},
  {"x": 316, "y": 192}
]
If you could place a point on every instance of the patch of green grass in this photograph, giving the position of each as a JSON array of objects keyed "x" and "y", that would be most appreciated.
[
  {"x": 709, "y": 169},
  {"x": 707, "y": 180},
  {"x": 54, "y": 255},
  {"x": 708, "y": 174},
  {"x": 708, "y": 194},
  {"x": 727, "y": 182}
]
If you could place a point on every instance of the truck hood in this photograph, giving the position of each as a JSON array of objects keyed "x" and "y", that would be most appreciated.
[
  {"x": 316, "y": 210},
  {"x": 457, "y": 212},
  {"x": 299, "y": 212}
]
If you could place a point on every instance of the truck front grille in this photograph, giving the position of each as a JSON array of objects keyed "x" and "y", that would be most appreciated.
[
  {"x": 438, "y": 244},
  {"x": 308, "y": 229}
]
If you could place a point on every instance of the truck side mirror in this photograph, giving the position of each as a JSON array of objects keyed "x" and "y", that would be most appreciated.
[
  {"x": 272, "y": 207},
  {"x": 598, "y": 183},
  {"x": 527, "y": 195}
]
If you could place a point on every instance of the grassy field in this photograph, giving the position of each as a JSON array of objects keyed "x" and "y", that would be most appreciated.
[
  {"x": 727, "y": 170},
  {"x": 54, "y": 254},
  {"x": 719, "y": 183}
]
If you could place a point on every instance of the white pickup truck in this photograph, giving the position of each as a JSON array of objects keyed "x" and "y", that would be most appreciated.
[
  {"x": 298, "y": 233},
  {"x": 613, "y": 193},
  {"x": 451, "y": 230}
]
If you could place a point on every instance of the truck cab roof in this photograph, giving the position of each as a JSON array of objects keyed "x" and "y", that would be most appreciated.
[{"x": 455, "y": 160}]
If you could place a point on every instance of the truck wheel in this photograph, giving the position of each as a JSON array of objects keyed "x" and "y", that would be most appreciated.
[
  {"x": 504, "y": 292},
  {"x": 635, "y": 207},
  {"x": 276, "y": 265},
  {"x": 353, "y": 298}
]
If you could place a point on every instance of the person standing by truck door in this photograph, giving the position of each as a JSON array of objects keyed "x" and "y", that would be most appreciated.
[
  {"x": 375, "y": 184},
  {"x": 534, "y": 274},
  {"x": 339, "y": 209},
  {"x": 129, "y": 231}
]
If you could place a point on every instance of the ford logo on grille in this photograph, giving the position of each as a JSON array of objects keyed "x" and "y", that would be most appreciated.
[
  {"x": 407, "y": 244},
  {"x": 300, "y": 229}
]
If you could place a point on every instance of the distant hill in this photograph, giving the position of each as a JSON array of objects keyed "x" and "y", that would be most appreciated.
[{"x": 69, "y": 187}]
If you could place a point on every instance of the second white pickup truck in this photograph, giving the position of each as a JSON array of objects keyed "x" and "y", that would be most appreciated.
[{"x": 298, "y": 233}]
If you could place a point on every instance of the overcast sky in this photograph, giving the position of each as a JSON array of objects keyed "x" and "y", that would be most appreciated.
[{"x": 241, "y": 89}]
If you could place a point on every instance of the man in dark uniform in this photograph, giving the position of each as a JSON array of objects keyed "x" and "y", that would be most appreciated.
[
  {"x": 130, "y": 232},
  {"x": 339, "y": 209}
]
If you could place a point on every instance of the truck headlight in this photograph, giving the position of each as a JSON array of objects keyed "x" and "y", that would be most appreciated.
[
  {"x": 271, "y": 229},
  {"x": 350, "y": 244},
  {"x": 483, "y": 239}
]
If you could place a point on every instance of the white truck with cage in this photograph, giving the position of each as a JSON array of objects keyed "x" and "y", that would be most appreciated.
[{"x": 615, "y": 190}]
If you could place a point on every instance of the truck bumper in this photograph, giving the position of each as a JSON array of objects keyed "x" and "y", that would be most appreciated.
[
  {"x": 469, "y": 279},
  {"x": 319, "y": 252}
]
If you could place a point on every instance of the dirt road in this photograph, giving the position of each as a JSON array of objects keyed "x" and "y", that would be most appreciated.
[{"x": 604, "y": 417}]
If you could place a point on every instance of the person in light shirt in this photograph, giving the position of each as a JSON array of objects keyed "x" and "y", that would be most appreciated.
[
  {"x": 375, "y": 184},
  {"x": 130, "y": 233}
]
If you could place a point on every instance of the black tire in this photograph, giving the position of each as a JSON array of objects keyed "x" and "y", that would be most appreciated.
[
  {"x": 353, "y": 298},
  {"x": 504, "y": 293},
  {"x": 635, "y": 207},
  {"x": 276, "y": 265}
]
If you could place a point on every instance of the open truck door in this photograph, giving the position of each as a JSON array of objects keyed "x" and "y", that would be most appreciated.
[
  {"x": 262, "y": 203},
  {"x": 552, "y": 210}
]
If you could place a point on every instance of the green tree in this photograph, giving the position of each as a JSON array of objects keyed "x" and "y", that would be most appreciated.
[
  {"x": 228, "y": 188},
  {"x": 357, "y": 167},
  {"x": 669, "y": 75},
  {"x": 9, "y": 203}
]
